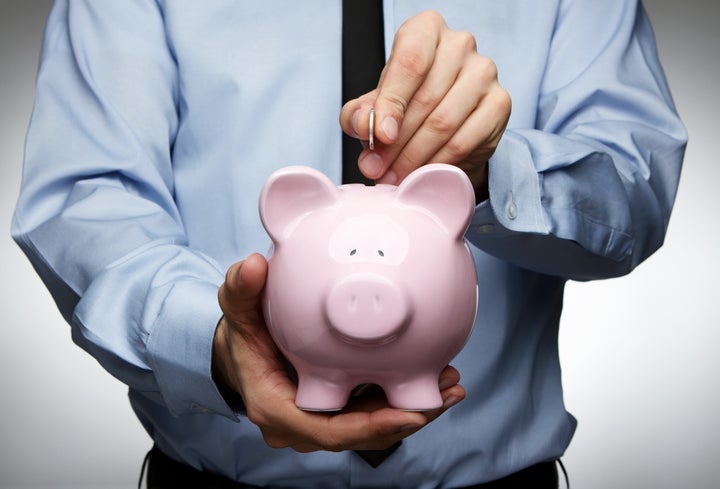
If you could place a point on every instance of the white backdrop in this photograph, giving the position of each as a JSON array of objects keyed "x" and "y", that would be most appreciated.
[{"x": 640, "y": 354}]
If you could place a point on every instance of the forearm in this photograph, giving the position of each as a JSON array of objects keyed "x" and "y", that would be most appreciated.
[
  {"x": 96, "y": 213},
  {"x": 148, "y": 317},
  {"x": 589, "y": 218},
  {"x": 588, "y": 192}
]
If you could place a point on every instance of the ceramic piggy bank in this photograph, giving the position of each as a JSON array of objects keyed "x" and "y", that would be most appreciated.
[{"x": 369, "y": 284}]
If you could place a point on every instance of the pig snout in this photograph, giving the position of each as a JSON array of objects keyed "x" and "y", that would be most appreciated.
[{"x": 367, "y": 308}]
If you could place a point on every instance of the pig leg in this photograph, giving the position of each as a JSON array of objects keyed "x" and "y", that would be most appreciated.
[
  {"x": 316, "y": 392},
  {"x": 419, "y": 393}
]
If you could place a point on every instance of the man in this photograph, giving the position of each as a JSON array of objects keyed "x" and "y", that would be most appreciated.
[{"x": 157, "y": 122}]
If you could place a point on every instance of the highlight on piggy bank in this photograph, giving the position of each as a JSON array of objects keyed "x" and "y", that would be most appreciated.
[{"x": 369, "y": 284}]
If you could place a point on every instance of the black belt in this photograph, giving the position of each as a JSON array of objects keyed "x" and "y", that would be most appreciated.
[{"x": 165, "y": 473}]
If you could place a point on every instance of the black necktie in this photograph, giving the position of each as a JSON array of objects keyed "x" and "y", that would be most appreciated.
[{"x": 363, "y": 58}]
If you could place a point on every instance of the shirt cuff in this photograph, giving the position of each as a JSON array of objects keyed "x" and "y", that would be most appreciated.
[
  {"x": 515, "y": 203},
  {"x": 180, "y": 350}
]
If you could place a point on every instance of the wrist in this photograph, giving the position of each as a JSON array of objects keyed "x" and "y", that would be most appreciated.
[
  {"x": 222, "y": 368},
  {"x": 478, "y": 175}
]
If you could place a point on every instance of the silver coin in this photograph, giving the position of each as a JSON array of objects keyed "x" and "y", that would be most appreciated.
[{"x": 371, "y": 129}]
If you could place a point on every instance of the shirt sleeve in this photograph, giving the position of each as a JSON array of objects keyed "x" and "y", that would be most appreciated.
[
  {"x": 587, "y": 193},
  {"x": 96, "y": 213}
]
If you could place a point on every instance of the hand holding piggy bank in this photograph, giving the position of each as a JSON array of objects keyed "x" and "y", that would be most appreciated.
[{"x": 369, "y": 284}]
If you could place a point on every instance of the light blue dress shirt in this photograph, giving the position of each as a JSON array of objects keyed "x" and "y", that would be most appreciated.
[{"x": 156, "y": 123}]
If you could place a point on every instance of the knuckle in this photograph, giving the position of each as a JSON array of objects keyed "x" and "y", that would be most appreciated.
[
  {"x": 489, "y": 68},
  {"x": 457, "y": 149},
  {"x": 465, "y": 41},
  {"x": 255, "y": 416},
  {"x": 414, "y": 62},
  {"x": 397, "y": 103},
  {"x": 275, "y": 441},
  {"x": 328, "y": 443},
  {"x": 252, "y": 416},
  {"x": 484, "y": 69},
  {"x": 425, "y": 100},
  {"x": 503, "y": 100},
  {"x": 433, "y": 17},
  {"x": 334, "y": 447},
  {"x": 440, "y": 122}
]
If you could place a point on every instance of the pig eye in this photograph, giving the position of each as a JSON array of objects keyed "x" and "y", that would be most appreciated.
[
  {"x": 353, "y": 252},
  {"x": 380, "y": 252}
]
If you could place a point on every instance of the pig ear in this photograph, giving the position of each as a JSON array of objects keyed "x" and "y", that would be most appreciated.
[
  {"x": 443, "y": 190},
  {"x": 290, "y": 193}
]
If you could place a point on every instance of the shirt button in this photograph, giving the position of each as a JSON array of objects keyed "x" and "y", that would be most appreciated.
[{"x": 511, "y": 209}]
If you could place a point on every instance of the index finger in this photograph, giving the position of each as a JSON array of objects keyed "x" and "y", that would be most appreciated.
[{"x": 411, "y": 58}]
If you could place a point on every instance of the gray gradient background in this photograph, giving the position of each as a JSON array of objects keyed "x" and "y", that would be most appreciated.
[{"x": 640, "y": 353}]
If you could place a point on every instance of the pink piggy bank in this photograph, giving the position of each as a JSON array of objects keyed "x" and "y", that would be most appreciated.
[{"x": 369, "y": 284}]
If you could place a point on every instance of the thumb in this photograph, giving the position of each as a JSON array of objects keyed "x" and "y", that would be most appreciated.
[
  {"x": 241, "y": 294},
  {"x": 390, "y": 107},
  {"x": 243, "y": 348}
]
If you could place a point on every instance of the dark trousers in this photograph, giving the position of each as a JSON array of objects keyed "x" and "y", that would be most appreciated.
[{"x": 165, "y": 473}]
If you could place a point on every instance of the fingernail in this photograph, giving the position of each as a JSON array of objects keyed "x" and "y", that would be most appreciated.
[
  {"x": 390, "y": 128},
  {"x": 451, "y": 401},
  {"x": 371, "y": 165},
  {"x": 354, "y": 122},
  {"x": 390, "y": 178}
]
